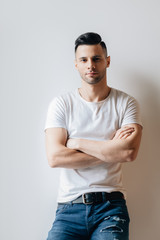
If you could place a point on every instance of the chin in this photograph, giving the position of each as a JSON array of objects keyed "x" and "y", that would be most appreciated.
[{"x": 92, "y": 81}]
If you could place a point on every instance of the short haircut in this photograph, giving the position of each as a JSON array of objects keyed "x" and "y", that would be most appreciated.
[{"x": 90, "y": 38}]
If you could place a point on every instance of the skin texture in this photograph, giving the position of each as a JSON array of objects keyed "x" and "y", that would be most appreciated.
[
  {"x": 122, "y": 148},
  {"x": 61, "y": 156},
  {"x": 92, "y": 63}
]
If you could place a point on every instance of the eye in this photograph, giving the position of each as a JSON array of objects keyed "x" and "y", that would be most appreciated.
[
  {"x": 83, "y": 60},
  {"x": 96, "y": 59}
]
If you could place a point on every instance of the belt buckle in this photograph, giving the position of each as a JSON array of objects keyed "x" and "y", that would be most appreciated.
[{"x": 84, "y": 200}]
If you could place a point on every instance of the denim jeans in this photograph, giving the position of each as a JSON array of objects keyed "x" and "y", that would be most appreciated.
[{"x": 105, "y": 221}]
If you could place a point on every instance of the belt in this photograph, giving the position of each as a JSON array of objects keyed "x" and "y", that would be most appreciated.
[{"x": 96, "y": 197}]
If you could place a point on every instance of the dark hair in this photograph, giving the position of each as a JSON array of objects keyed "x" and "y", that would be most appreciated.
[{"x": 90, "y": 38}]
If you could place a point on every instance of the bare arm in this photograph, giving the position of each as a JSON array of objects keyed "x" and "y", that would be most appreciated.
[
  {"x": 59, "y": 155},
  {"x": 122, "y": 148}
]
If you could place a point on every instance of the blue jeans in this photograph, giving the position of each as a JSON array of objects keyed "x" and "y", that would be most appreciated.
[{"x": 105, "y": 221}]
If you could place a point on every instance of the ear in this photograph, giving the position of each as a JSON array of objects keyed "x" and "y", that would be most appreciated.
[
  {"x": 108, "y": 60},
  {"x": 75, "y": 63}
]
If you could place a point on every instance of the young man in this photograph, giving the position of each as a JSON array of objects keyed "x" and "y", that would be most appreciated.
[{"x": 89, "y": 134}]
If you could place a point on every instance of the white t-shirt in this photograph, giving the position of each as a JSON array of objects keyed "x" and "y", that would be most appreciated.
[{"x": 95, "y": 121}]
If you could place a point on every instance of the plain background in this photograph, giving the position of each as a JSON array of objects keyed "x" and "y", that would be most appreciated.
[{"x": 36, "y": 64}]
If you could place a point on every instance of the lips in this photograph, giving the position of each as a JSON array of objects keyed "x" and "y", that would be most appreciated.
[{"x": 91, "y": 73}]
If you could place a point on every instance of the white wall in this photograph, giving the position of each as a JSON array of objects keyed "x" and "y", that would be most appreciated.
[{"x": 36, "y": 59}]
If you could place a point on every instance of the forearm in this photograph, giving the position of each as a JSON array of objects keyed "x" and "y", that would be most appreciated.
[
  {"x": 59, "y": 155},
  {"x": 107, "y": 151},
  {"x": 122, "y": 148},
  {"x": 64, "y": 157}
]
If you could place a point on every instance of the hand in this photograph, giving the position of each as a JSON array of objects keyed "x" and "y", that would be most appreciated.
[
  {"x": 124, "y": 132},
  {"x": 72, "y": 143}
]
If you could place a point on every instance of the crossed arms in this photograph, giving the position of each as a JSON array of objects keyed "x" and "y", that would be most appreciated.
[{"x": 83, "y": 153}]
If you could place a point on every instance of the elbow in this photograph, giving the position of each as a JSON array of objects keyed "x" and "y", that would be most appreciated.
[
  {"x": 52, "y": 160},
  {"x": 131, "y": 155}
]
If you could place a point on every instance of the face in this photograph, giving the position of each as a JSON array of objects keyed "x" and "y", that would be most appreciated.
[{"x": 91, "y": 62}]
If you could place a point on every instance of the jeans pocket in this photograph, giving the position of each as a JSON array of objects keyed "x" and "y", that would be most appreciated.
[
  {"x": 61, "y": 208},
  {"x": 120, "y": 206}
]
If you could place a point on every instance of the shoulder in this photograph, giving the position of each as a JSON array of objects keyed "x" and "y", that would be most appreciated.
[
  {"x": 128, "y": 107},
  {"x": 121, "y": 94},
  {"x": 63, "y": 99},
  {"x": 122, "y": 97}
]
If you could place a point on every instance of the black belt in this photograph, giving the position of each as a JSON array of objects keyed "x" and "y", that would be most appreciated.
[{"x": 96, "y": 197}]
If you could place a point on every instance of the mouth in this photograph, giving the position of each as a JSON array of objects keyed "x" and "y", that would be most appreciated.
[{"x": 91, "y": 73}]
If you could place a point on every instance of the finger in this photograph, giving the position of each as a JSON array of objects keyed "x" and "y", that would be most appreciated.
[
  {"x": 122, "y": 131},
  {"x": 130, "y": 130},
  {"x": 125, "y": 128},
  {"x": 126, "y": 136},
  {"x": 126, "y": 132}
]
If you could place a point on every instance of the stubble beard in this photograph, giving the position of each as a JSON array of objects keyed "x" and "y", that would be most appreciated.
[{"x": 93, "y": 80}]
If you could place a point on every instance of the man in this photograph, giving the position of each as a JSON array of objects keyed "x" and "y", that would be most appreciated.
[{"x": 89, "y": 134}]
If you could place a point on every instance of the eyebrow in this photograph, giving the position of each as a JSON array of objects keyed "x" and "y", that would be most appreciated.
[
  {"x": 92, "y": 57},
  {"x": 97, "y": 56}
]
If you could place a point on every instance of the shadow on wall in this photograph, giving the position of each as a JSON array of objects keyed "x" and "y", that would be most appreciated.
[{"x": 142, "y": 177}]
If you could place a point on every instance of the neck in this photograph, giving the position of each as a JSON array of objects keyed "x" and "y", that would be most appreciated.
[{"x": 94, "y": 93}]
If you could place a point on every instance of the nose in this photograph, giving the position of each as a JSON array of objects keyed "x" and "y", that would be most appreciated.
[{"x": 91, "y": 64}]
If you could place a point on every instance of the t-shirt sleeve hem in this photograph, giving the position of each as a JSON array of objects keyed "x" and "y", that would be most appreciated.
[
  {"x": 132, "y": 122},
  {"x": 51, "y": 126}
]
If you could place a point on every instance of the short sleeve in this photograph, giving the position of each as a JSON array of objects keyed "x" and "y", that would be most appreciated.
[
  {"x": 56, "y": 114},
  {"x": 131, "y": 112}
]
